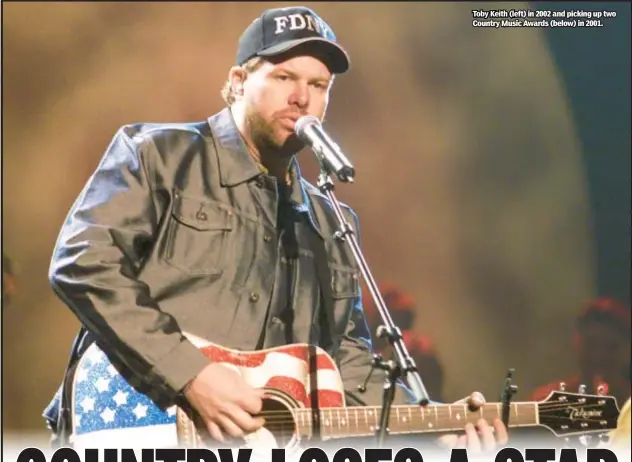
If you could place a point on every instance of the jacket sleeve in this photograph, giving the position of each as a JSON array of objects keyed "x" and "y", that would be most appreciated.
[
  {"x": 99, "y": 253},
  {"x": 355, "y": 356}
]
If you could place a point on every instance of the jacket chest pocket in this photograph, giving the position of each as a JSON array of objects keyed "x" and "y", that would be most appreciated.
[{"x": 198, "y": 235}]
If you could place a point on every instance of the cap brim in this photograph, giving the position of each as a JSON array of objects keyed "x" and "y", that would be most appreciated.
[{"x": 334, "y": 56}]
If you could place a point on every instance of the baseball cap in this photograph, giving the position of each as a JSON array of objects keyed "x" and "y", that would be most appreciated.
[{"x": 279, "y": 30}]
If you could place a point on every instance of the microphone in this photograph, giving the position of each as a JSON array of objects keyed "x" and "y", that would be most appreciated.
[{"x": 311, "y": 132}]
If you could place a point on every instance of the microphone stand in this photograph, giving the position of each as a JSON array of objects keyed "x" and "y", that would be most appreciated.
[{"x": 403, "y": 365}]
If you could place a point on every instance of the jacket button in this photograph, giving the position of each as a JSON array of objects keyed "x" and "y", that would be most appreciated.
[
  {"x": 202, "y": 216},
  {"x": 254, "y": 296},
  {"x": 267, "y": 238},
  {"x": 276, "y": 320}
]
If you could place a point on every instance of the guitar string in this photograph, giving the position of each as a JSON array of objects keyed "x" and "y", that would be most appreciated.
[
  {"x": 336, "y": 420},
  {"x": 281, "y": 425},
  {"x": 279, "y": 419},
  {"x": 357, "y": 430},
  {"x": 545, "y": 407},
  {"x": 331, "y": 428},
  {"x": 331, "y": 422}
]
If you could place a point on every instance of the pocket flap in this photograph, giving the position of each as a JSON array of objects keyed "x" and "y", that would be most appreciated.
[
  {"x": 202, "y": 214},
  {"x": 345, "y": 282}
]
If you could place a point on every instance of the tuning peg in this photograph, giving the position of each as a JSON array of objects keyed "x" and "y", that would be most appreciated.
[
  {"x": 562, "y": 386},
  {"x": 582, "y": 389}
]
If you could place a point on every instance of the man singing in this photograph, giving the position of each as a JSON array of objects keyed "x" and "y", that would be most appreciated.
[{"x": 209, "y": 229}]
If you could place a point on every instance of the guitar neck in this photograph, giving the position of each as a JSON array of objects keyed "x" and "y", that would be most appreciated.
[{"x": 346, "y": 422}]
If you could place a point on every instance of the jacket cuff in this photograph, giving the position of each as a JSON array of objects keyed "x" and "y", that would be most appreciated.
[{"x": 180, "y": 366}]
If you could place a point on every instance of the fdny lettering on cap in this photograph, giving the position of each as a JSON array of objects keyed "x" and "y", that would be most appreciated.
[{"x": 299, "y": 21}]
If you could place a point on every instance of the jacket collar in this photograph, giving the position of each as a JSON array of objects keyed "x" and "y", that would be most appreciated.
[{"x": 236, "y": 164}]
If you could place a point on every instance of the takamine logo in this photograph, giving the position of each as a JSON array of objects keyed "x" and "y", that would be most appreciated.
[{"x": 581, "y": 413}]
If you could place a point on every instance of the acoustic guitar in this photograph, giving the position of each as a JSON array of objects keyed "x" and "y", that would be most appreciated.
[{"x": 305, "y": 402}]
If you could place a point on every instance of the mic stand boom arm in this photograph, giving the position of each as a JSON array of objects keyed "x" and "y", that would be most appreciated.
[{"x": 404, "y": 364}]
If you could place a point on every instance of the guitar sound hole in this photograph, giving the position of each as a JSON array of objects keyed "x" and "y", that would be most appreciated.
[{"x": 279, "y": 421}]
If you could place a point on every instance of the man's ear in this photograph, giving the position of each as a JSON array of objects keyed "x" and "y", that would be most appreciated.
[{"x": 236, "y": 77}]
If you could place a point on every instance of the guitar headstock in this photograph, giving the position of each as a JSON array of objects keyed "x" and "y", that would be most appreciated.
[{"x": 568, "y": 414}]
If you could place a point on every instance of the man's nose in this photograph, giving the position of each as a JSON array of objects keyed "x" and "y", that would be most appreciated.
[{"x": 300, "y": 96}]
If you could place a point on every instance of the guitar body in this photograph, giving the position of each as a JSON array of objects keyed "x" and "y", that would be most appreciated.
[{"x": 107, "y": 410}]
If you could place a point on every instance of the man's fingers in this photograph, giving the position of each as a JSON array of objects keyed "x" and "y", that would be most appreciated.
[
  {"x": 502, "y": 436},
  {"x": 252, "y": 402},
  {"x": 486, "y": 434},
  {"x": 229, "y": 426},
  {"x": 473, "y": 442},
  {"x": 215, "y": 431},
  {"x": 243, "y": 419}
]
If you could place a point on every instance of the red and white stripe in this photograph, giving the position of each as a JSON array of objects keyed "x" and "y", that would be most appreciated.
[{"x": 284, "y": 368}]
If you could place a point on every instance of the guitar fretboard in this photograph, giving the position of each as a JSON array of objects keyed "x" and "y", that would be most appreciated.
[{"x": 363, "y": 421}]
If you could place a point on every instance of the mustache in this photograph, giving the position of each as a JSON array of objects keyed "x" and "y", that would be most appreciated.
[{"x": 291, "y": 114}]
